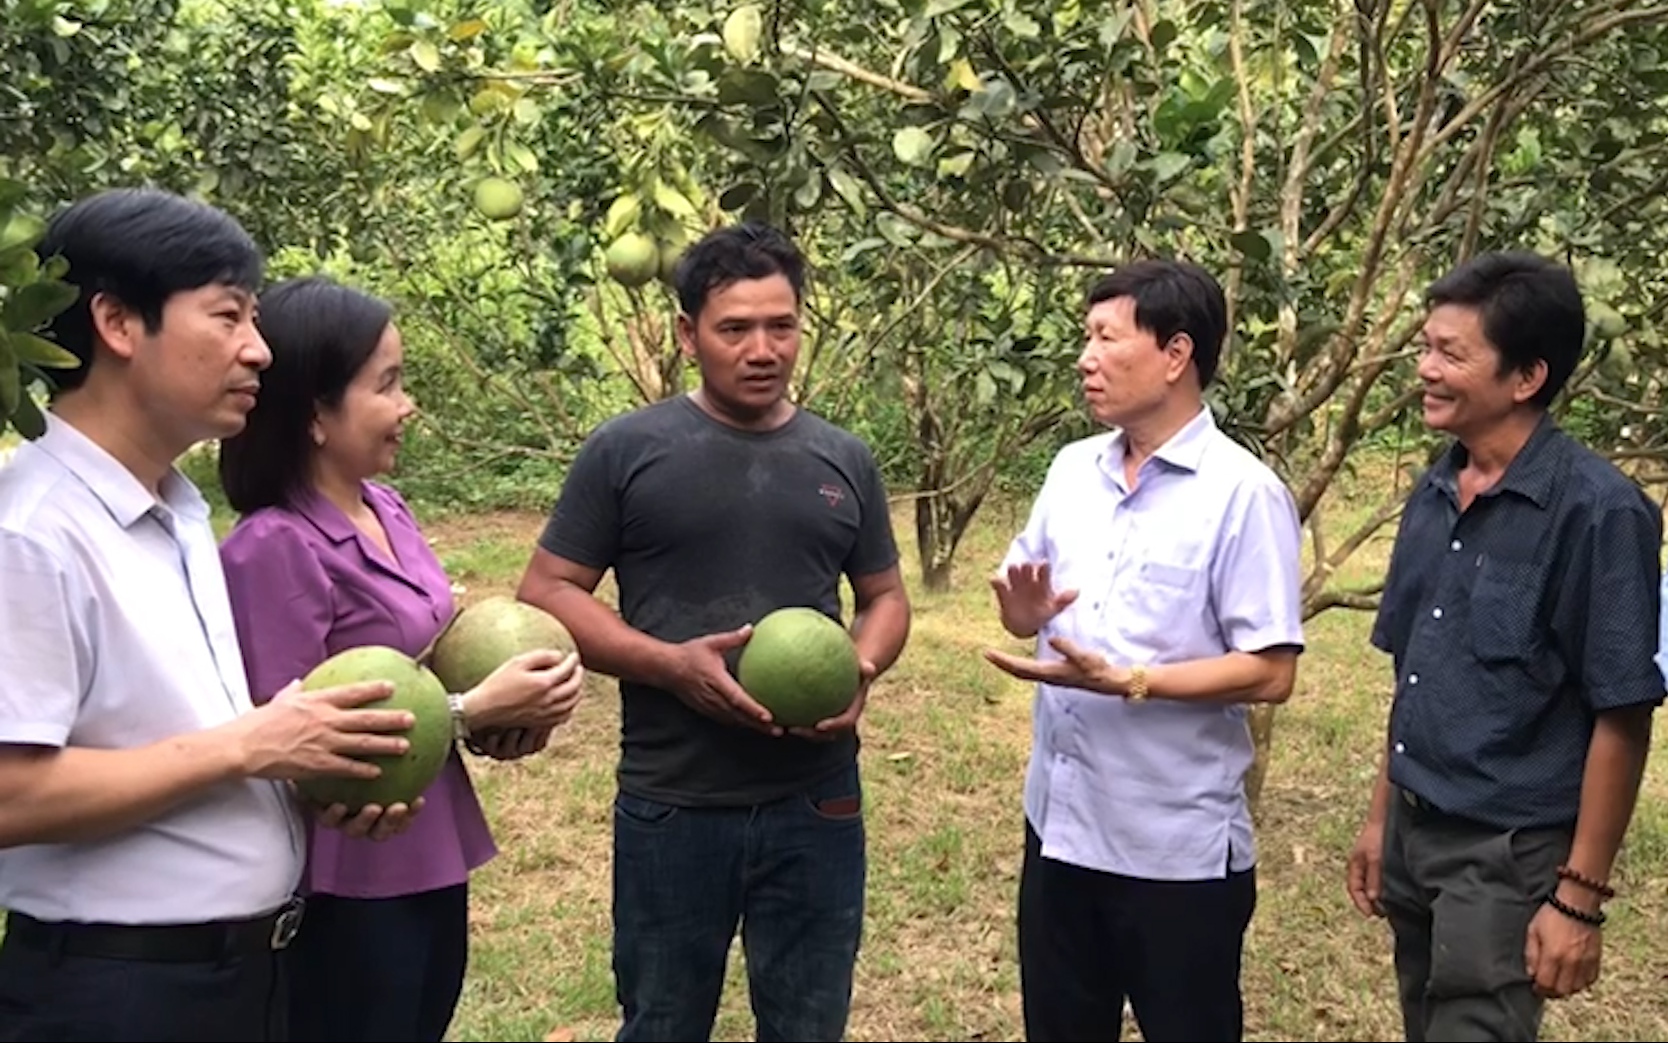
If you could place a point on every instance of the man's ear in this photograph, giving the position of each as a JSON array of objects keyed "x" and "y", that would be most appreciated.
[
  {"x": 685, "y": 329},
  {"x": 1528, "y": 381},
  {"x": 115, "y": 325},
  {"x": 1178, "y": 351}
]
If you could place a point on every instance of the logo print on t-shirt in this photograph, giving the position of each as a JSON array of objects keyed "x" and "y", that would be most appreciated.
[{"x": 832, "y": 493}]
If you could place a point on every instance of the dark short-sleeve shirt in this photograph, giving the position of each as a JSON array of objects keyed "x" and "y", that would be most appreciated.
[
  {"x": 1513, "y": 624},
  {"x": 708, "y": 528}
]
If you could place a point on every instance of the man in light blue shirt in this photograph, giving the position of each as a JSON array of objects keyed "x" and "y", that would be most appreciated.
[
  {"x": 149, "y": 839},
  {"x": 1159, "y": 573}
]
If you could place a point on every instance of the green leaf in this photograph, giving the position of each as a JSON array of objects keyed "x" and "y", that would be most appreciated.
[
  {"x": 426, "y": 55},
  {"x": 521, "y": 156},
  {"x": 1167, "y": 165},
  {"x": 849, "y": 190},
  {"x": 385, "y": 86},
  {"x": 737, "y": 196},
  {"x": 913, "y": 145},
  {"x": 30, "y": 306},
  {"x": 622, "y": 215},
  {"x": 1252, "y": 244},
  {"x": 672, "y": 201},
  {"x": 1164, "y": 34},
  {"x": 468, "y": 142},
  {"x": 41, "y": 352},
  {"x": 1022, "y": 25},
  {"x": 747, "y": 87},
  {"x": 11, "y": 380},
  {"x": 956, "y": 165},
  {"x": 27, "y": 418},
  {"x": 943, "y": 7},
  {"x": 467, "y": 30},
  {"x": 21, "y": 230}
]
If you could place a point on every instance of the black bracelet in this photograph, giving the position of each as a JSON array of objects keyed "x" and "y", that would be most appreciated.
[{"x": 1591, "y": 919}]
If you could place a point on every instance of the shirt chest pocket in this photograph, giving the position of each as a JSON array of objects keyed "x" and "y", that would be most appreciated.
[
  {"x": 1159, "y": 598},
  {"x": 1505, "y": 616}
]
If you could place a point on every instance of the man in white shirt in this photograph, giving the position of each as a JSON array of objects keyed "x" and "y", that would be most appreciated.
[
  {"x": 149, "y": 845},
  {"x": 1159, "y": 573}
]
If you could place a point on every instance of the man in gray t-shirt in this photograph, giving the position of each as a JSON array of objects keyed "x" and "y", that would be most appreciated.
[{"x": 714, "y": 509}]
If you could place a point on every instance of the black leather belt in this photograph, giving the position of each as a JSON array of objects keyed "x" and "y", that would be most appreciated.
[
  {"x": 160, "y": 943},
  {"x": 1414, "y": 800}
]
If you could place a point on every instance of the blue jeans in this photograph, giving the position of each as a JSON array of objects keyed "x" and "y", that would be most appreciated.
[{"x": 791, "y": 873}]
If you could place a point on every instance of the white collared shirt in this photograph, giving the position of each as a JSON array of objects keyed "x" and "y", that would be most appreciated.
[
  {"x": 116, "y": 632},
  {"x": 1200, "y": 559}
]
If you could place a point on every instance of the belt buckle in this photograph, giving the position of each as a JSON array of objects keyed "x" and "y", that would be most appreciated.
[{"x": 287, "y": 924}]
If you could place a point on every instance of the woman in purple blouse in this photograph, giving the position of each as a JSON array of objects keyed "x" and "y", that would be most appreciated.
[{"x": 325, "y": 559}]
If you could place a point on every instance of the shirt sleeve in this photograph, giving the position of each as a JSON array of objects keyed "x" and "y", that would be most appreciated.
[
  {"x": 1618, "y": 658},
  {"x": 584, "y": 523},
  {"x": 876, "y": 549},
  {"x": 282, "y": 603},
  {"x": 1255, "y": 578},
  {"x": 46, "y": 660}
]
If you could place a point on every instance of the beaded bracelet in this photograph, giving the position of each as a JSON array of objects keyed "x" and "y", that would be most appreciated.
[
  {"x": 1591, "y": 919},
  {"x": 1602, "y": 890}
]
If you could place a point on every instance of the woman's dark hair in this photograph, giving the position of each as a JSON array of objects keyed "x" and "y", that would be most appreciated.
[{"x": 321, "y": 335}]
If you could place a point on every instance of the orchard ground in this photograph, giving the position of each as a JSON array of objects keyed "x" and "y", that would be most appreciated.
[{"x": 945, "y": 744}]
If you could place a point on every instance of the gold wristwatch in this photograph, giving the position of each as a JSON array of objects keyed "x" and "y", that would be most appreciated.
[{"x": 1137, "y": 683}]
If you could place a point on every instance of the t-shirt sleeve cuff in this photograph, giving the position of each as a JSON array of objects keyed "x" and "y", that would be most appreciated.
[
  {"x": 1264, "y": 639},
  {"x": 33, "y": 733},
  {"x": 1644, "y": 692}
]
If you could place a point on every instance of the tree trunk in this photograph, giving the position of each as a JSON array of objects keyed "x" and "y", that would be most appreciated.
[{"x": 937, "y": 547}]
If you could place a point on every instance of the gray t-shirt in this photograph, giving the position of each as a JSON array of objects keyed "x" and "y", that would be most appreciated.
[{"x": 708, "y": 528}]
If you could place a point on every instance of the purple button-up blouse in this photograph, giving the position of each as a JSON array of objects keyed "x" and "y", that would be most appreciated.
[{"x": 306, "y": 584}]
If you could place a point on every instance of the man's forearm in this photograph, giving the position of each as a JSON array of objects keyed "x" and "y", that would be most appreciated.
[
  {"x": 1238, "y": 677},
  {"x": 52, "y": 795},
  {"x": 880, "y": 629},
  {"x": 1609, "y": 790},
  {"x": 607, "y": 643}
]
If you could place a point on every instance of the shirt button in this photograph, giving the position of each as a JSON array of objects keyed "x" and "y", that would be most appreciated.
[
  {"x": 1400, "y": 748},
  {"x": 1436, "y": 613},
  {"x": 1456, "y": 545},
  {"x": 1412, "y": 678}
]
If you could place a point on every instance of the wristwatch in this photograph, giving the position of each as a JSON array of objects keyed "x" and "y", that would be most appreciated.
[
  {"x": 460, "y": 723},
  {"x": 1137, "y": 683}
]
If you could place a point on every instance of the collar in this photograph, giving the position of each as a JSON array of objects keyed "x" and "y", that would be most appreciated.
[
  {"x": 1532, "y": 473},
  {"x": 1184, "y": 450},
  {"x": 121, "y": 493}
]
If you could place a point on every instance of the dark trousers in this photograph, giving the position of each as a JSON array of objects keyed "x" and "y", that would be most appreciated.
[
  {"x": 791, "y": 873},
  {"x": 1459, "y": 897},
  {"x": 48, "y": 996},
  {"x": 379, "y": 969},
  {"x": 1088, "y": 940}
]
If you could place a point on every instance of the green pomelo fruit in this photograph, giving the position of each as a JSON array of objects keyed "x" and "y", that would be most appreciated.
[
  {"x": 403, "y": 778},
  {"x": 498, "y": 199},
  {"x": 490, "y": 632},
  {"x": 801, "y": 666},
  {"x": 633, "y": 259}
]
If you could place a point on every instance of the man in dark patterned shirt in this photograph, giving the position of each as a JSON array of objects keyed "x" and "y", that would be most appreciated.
[{"x": 1520, "y": 612}]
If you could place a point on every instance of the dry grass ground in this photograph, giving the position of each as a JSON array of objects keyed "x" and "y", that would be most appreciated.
[{"x": 945, "y": 743}]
